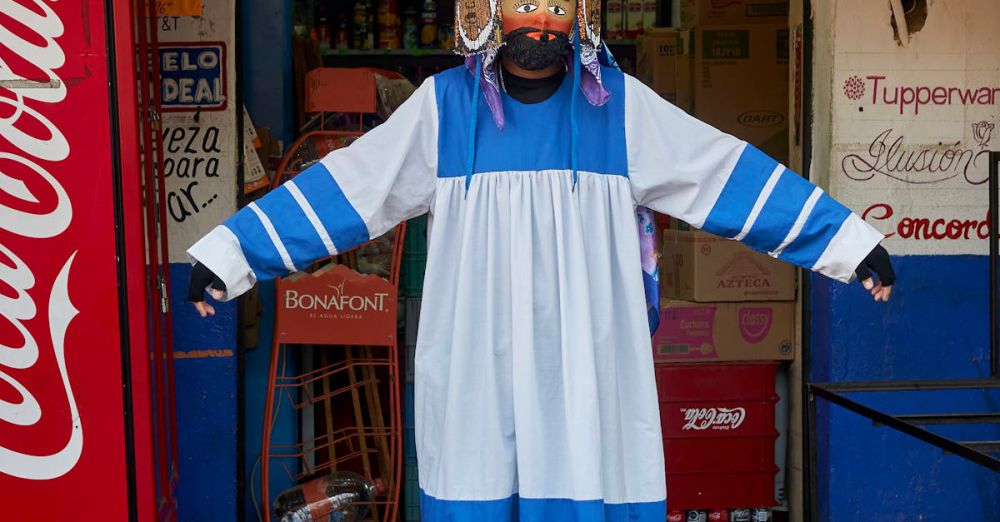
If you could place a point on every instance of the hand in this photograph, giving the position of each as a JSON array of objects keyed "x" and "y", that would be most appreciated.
[
  {"x": 201, "y": 278},
  {"x": 877, "y": 261}
]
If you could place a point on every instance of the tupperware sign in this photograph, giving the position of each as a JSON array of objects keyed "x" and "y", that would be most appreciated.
[{"x": 192, "y": 77}]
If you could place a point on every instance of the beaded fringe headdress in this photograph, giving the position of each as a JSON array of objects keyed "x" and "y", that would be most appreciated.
[{"x": 479, "y": 36}]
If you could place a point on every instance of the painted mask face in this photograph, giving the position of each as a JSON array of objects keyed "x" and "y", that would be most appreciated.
[{"x": 536, "y": 32}]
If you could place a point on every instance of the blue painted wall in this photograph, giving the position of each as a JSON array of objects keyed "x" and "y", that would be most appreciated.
[
  {"x": 205, "y": 385},
  {"x": 266, "y": 47},
  {"x": 935, "y": 327},
  {"x": 266, "y": 55}
]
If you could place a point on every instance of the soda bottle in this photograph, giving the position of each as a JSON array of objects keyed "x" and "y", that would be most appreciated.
[
  {"x": 428, "y": 25},
  {"x": 740, "y": 515},
  {"x": 364, "y": 32},
  {"x": 341, "y": 496},
  {"x": 388, "y": 24},
  {"x": 718, "y": 515},
  {"x": 697, "y": 515},
  {"x": 411, "y": 28},
  {"x": 675, "y": 516},
  {"x": 761, "y": 514}
]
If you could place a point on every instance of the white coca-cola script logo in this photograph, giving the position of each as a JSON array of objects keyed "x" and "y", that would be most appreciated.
[
  {"x": 31, "y": 37},
  {"x": 713, "y": 418}
]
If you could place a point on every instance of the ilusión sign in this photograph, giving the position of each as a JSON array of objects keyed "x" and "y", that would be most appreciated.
[{"x": 192, "y": 77}]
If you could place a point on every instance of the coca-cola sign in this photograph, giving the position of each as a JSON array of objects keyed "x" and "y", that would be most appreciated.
[
  {"x": 61, "y": 424},
  {"x": 36, "y": 206},
  {"x": 700, "y": 419}
]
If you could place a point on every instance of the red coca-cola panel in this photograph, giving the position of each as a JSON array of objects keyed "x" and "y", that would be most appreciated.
[
  {"x": 64, "y": 439},
  {"x": 336, "y": 305},
  {"x": 719, "y": 434}
]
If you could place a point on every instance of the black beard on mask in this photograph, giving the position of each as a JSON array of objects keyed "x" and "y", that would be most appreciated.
[{"x": 535, "y": 55}]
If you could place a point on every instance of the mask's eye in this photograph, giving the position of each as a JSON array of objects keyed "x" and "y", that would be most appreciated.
[
  {"x": 556, "y": 10},
  {"x": 526, "y": 8}
]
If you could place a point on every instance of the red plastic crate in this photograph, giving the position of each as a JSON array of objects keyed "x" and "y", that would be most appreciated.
[{"x": 719, "y": 434}]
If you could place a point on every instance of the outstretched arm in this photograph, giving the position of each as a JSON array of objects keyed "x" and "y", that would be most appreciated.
[
  {"x": 352, "y": 195},
  {"x": 684, "y": 167}
]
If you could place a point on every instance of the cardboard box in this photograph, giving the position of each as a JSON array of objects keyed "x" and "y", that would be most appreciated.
[
  {"x": 693, "y": 332},
  {"x": 697, "y": 266},
  {"x": 702, "y": 13},
  {"x": 665, "y": 66},
  {"x": 741, "y": 83}
]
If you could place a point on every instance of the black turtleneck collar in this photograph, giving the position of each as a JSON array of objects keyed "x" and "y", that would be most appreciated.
[{"x": 531, "y": 90}]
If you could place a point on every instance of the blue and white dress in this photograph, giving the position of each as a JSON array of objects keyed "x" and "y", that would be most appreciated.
[{"x": 535, "y": 396}]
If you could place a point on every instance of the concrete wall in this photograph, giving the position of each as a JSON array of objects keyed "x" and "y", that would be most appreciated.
[{"x": 923, "y": 158}]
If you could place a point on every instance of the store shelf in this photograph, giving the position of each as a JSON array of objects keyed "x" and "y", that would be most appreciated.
[{"x": 411, "y": 53}]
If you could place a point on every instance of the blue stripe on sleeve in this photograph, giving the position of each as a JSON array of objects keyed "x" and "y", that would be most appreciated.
[
  {"x": 822, "y": 224},
  {"x": 738, "y": 197},
  {"x": 780, "y": 212},
  {"x": 296, "y": 232},
  {"x": 339, "y": 217},
  {"x": 260, "y": 252}
]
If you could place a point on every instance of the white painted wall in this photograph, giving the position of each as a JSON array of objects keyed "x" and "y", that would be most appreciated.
[
  {"x": 201, "y": 185},
  {"x": 909, "y": 125}
]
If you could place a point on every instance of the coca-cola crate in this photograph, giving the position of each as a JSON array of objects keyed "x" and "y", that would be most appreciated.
[
  {"x": 719, "y": 433},
  {"x": 694, "y": 455},
  {"x": 689, "y": 491}
]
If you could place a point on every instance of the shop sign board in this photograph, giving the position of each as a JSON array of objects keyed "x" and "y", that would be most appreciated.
[
  {"x": 913, "y": 124},
  {"x": 336, "y": 305},
  {"x": 193, "y": 76}
]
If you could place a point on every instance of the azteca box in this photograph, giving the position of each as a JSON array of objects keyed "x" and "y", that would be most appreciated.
[
  {"x": 698, "y": 266},
  {"x": 694, "y": 332}
]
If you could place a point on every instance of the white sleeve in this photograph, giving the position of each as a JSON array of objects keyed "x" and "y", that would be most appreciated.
[
  {"x": 352, "y": 195},
  {"x": 681, "y": 166}
]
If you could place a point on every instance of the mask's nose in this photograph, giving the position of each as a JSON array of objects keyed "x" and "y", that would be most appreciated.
[{"x": 541, "y": 22}]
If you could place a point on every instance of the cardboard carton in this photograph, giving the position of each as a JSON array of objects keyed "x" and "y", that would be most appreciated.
[
  {"x": 693, "y": 332},
  {"x": 665, "y": 66},
  {"x": 702, "y": 13},
  {"x": 697, "y": 266},
  {"x": 741, "y": 83}
]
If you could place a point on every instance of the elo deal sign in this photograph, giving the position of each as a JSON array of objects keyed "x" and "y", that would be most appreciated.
[{"x": 193, "y": 76}]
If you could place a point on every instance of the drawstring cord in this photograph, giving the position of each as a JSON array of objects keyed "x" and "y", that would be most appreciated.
[
  {"x": 577, "y": 72},
  {"x": 474, "y": 119}
]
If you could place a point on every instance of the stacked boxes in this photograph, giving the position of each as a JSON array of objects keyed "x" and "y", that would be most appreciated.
[
  {"x": 740, "y": 83},
  {"x": 727, "y": 312},
  {"x": 722, "y": 301},
  {"x": 664, "y": 64}
]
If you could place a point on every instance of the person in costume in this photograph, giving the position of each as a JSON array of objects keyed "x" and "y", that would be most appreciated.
[{"x": 535, "y": 394}]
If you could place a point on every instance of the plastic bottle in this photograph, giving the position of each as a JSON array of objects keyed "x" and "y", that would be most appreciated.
[
  {"x": 364, "y": 32},
  {"x": 341, "y": 496},
  {"x": 411, "y": 28},
  {"x": 428, "y": 25},
  {"x": 388, "y": 24}
]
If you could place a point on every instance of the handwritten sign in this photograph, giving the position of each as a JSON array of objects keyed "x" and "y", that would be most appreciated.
[{"x": 193, "y": 77}]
